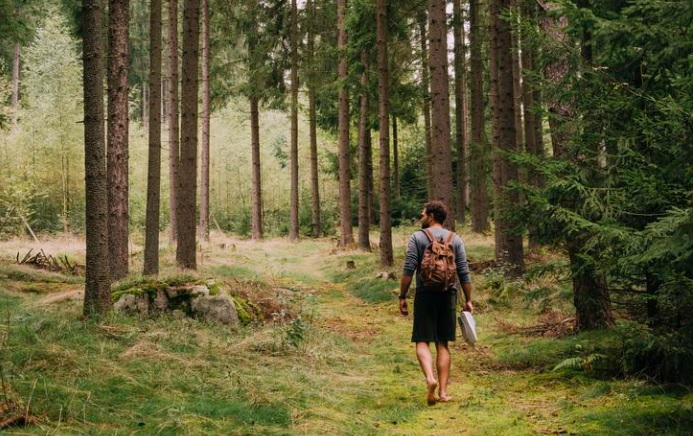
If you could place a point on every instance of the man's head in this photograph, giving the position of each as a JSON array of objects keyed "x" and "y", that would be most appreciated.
[{"x": 433, "y": 212}]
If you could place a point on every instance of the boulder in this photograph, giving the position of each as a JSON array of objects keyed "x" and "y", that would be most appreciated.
[
  {"x": 219, "y": 308},
  {"x": 133, "y": 303}
]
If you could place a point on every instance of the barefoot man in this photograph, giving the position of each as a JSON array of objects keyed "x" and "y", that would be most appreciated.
[{"x": 434, "y": 309}]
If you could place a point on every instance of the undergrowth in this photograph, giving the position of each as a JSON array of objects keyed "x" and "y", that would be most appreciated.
[{"x": 336, "y": 359}]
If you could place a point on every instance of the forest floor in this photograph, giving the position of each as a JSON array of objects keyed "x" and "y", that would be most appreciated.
[{"x": 336, "y": 359}]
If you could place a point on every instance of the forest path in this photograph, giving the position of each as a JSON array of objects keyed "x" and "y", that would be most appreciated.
[{"x": 377, "y": 386}]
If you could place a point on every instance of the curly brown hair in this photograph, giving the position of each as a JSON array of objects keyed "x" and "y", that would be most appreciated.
[{"x": 438, "y": 209}]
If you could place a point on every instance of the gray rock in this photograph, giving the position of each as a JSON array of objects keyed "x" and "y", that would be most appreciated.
[
  {"x": 133, "y": 303},
  {"x": 199, "y": 291},
  {"x": 219, "y": 308},
  {"x": 160, "y": 302}
]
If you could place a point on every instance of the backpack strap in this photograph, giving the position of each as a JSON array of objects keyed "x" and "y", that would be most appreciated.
[
  {"x": 428, "y": 234},
  {"x": 451, "y": 236}
]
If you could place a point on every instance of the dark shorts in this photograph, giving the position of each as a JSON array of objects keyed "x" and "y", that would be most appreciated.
[{"x": 434, "y": 316}]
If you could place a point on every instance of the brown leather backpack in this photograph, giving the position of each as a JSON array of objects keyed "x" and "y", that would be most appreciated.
[{"x": 438, "y": 267}]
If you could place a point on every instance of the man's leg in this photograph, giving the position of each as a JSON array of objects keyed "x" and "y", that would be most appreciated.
[
  {"x": 443, "y": 364},
  {"x": 423, "y": 353}
]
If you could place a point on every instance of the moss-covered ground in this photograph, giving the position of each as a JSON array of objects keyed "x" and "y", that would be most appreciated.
[{"x": 341, "y": 363}]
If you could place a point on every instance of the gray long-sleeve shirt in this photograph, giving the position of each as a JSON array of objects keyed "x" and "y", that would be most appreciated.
[{"x": 417, "y": 245}]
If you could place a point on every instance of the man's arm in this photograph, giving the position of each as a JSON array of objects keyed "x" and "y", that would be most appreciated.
[
  {"x": 467, "y": 289},
  {"x": 404, "y": 284}
]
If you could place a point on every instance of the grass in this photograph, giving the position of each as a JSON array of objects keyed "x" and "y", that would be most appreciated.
[{"x": 341, "y": 364}]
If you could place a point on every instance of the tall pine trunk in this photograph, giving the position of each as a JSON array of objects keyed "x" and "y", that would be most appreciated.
[
  {"x": 478, "y": 147},
  {"x": 364, "y": 169},
  {"x": 97, "y": 282},
  {"x": 395, "y": 158},
  {"x": 173, "y": 118},
  {"x": 15, "y": 84},
  {"x": 151, "y": 234},
  {"x": 256, "y": 178},
  {"x": 441, "y": 163},
  {"x": 426, "y": 101},
  {"x": 203, "y": 229},
  {"x": 117, "y": 143},
  {"x": 386, "y": 256},
  {"x": 187, "y": 182},
  {"x": 346, "y": 236},
  {"x": 461, "y": 139},
  {"x": 531, "y": 104},
  {"x": 508, "y": 241},
  {"x": 312, "y": 121},
  {"x": 293, "y": 225}
]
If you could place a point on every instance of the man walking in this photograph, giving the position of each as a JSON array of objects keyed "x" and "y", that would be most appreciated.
[{"x": 434, "y": 306}]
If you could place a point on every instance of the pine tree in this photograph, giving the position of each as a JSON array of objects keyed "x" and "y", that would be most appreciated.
[
  {"x": 187, "y": 182},
  {"x": 151, "y": 242},
  {"x": 97, "y": 282},
  {"x": 117, "y": 141}
]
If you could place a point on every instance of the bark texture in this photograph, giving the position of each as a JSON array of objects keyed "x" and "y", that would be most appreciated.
[
  {"x": 426, "y": 100},
  {"x": 508, "y": 248},
  {"x": 187, "y": 181},
  {"x": 461, "y": 137},
  {"x": 151, "y": 234},
  {"x": 173, "y": 117},
  {"x": 441, "y": 163},
  {"x": 364, "y": 168},
  {"x": 316, "y": 227},
  {"x": 478, "y": 145},
  {"x": 97, "y": 282},
  {"x": 256, "y": 177},
  {"x": 293, "y": 225},
  {"x": 203, "y": 229},
  {"x": 386, "y": 256},
  {"x": 346, "y": 232},
  {"x": 117, "y": 141}
]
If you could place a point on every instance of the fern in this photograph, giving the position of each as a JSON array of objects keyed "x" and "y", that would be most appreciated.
[{"x": 584, "y": 363}]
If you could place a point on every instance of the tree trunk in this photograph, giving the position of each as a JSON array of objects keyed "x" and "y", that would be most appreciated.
[
  {"x": 151, "y": 234},
  {"x": 478, "y": 147},
  {"x": 591, "y": 294},
  {"x": 395, "y": 158},
  {"x": 441, "y": 163},
  {"x": 97, "y": 283},
  {"x": 364, "y": 170},
  {"x": 173, "y": 118},
  {"x": 532, "y": 114},
  {"x": 117, "y": 168},
  {"x": 187, "y": 186},
  {"x": 314, "y": 181},
  {"x": 516, "y": 48},
  {"x": 346, "y": 237},
  {"x": 256, "y": 179},
  {"x": 15, "y": 84},
  {"x": 293, "y": 227},
  {"x": 203, "y": 230},
  {"x": 426, "y": 102},
  {"x": 386, "y": 256},
  {"x": 508, "y": 241},
  {"x": 461, "y": 139},
  {"x": 373, "y": 207}
]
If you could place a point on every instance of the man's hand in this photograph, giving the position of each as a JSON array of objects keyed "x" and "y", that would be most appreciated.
[
  {"x": 468, "y": 307},
  {"x": 403, "y": 307}
]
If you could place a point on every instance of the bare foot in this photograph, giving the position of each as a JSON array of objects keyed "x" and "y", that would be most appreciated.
[
  {"x": 444, "y": 398},
  {"x": 431, "y": 395}
]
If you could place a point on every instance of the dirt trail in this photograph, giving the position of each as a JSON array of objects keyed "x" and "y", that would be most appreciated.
[{"x": 387, "y": 374}]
